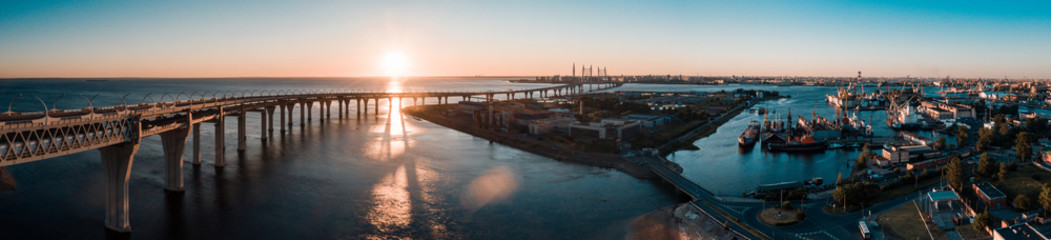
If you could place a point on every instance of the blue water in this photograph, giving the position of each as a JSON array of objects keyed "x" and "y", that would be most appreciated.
[
  {"x": 378, "y": 177},
  {"x": 722, "y": 167}
]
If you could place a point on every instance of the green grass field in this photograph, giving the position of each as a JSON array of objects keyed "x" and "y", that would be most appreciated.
[
  {"x": 904, "y": 223},
  {"x": 1021, "y": 181}
]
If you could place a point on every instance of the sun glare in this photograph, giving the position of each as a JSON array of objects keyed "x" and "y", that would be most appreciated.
[{"x": 395, "y": 64}]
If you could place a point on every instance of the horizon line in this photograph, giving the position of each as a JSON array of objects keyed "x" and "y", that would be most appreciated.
[{"x": 522, "y": 76}]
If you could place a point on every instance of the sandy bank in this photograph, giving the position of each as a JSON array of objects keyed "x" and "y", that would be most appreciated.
[{"x": 534, "y": 146}]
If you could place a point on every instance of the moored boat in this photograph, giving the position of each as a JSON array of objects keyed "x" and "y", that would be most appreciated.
[
  {"x": 750, "y": 134},
  {"x": 801, "y": 144}
]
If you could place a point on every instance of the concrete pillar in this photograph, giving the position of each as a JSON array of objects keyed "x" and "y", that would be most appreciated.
[
  {"x": 262, "y": 125},
  {"x": 376, "y": 108},
  {"x": 282, "y": 107},
  {"x": 270, "y": 119},
  {"x": 196, "y": 143},
  {"x": 116, "y": 161},
  {"x": 340, "y": 108},
  {"x": 328, "y": 109},
  {"x": 302, "y": 114},
  {"x": 321, "y": 111},
  {"x": 310, "y": 111},
  {"x": 220, "y": 144},
  {"x": 359, "y": 107},
  {"x": 174, "y": 142},
  {"x": 290, "y": 106},
  {"x": 489, "y": 112},
  {"x": 242, "y": 132}
]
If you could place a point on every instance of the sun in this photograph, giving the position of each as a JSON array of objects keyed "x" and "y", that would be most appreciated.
[{"x": 395, "y": 64}]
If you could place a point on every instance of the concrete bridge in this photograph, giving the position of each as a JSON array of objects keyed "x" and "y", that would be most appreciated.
[{"x": 116, "y": 131}]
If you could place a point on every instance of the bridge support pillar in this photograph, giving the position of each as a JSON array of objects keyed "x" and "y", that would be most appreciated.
[
  {"x": 282, "y": 113},
  {"x": 290, "y": 107},
  {"x": 242, "y": 135},
  {"x": 376, "y": 108},
  {"x": 302, "y": 114},
  {"x": 358, "y": 109},
  {"x": 321, "y": 111},
  {"x": 262, "y": 125},
  {"x": 270, "y": 120},
  {"x": 310, "y": 111},
  {"x": 220, "y": 141},
  {"x": 328, "y": 110},
  {"x": 196, "y": 143},
  {"x": 174, "y": 142},
  {"x": 339, "y": 107},
  {"x": 117, "y": 160}
]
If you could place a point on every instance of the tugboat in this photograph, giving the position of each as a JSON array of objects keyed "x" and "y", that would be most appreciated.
[
  {"x": 750, "y": 135},
  {"x": 801, "y": 144}
]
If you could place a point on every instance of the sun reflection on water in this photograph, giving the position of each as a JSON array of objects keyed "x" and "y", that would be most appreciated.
[
  {"x": 393, "y": 210},
  {"x": 390, "y": 140}
]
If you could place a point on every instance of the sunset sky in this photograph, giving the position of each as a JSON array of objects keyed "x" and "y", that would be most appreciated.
[{"x": 466, "y": 38}]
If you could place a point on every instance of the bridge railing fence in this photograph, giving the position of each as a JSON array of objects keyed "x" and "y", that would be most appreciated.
[{"x": 220, "y": 98}]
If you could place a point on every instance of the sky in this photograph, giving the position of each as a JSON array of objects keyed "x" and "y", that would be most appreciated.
[{"x": 889, "y": 38}]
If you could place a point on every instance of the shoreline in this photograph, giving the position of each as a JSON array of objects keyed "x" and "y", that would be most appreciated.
[
  {"x": 678, "y": 221},
  {"x": 552, "y": 151}
]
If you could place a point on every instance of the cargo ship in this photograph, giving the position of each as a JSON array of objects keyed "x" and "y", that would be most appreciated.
[
  {"x": 750, "y": 135},
  {"x": 854, "y": 97}
]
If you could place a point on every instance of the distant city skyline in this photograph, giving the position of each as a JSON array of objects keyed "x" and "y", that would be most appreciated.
[{"x": 965, "y": 39}]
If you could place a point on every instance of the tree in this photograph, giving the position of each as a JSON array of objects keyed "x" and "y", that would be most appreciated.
[
  {"x": 999, "y": 118},
  {"x": 863, "y": 157},
  {"x": 1006, "y": 135},
  {"x": 954, "y": 173},
  {"x": 865, "y": 151},
  {"x": 940, "y": 143},
  {"x": 981, "y": 221},
  {"x": 979, "y": 106},
  {"x": 839, "y": 179},
  {"x": 961, "y": 136},
  {"x": 1003, "y": 172},
  {"x": 985, "y": 139},
  {"x": 1045, "y": 198},
  {"x": 1022, "y": 147},
  {"x": 857, "y": 193},
  {"x": 1023, "y": 203},
  {"x": 986, "y": 165},
  {"x": 1036, "y": 125}
]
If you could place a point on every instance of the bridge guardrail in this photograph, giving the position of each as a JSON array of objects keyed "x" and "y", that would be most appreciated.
[{"x": 175, "y": 106}]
